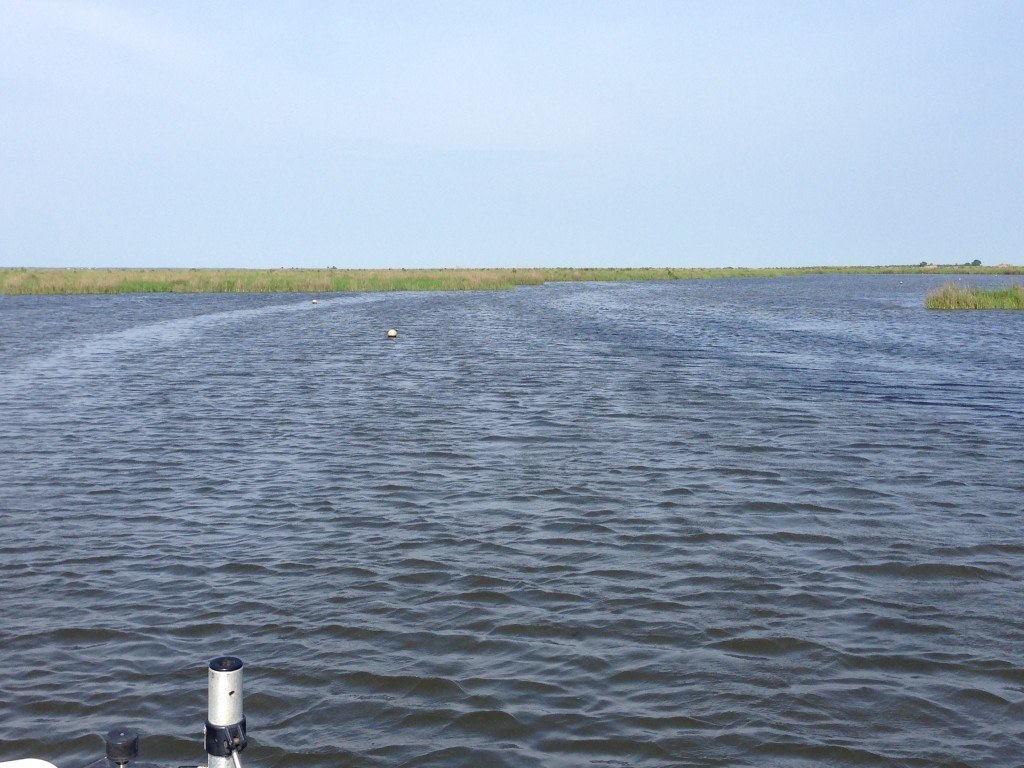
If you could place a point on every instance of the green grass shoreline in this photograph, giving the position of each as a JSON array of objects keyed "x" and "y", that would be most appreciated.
[
  {"x": 40, "y": 281},
  {"x": 953, "y": 296}
]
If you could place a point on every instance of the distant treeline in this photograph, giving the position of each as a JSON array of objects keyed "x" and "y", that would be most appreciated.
[{"x": 82, "y": 281}]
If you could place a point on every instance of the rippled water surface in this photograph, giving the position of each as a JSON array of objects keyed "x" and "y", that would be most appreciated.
[{"x": 720, "y": 523}]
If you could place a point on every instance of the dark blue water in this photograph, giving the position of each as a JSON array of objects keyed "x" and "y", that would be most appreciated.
[{"x": 710, "y": 523}]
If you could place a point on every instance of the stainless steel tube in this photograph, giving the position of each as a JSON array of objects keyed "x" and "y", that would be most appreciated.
[{"x": 225, "y": 704}]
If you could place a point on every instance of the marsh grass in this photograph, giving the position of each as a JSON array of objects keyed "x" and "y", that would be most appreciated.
[
  {"x": 84, "y": 281},
  {"x": 955, "y": 296},
  {"x": 80, "y": 281}
]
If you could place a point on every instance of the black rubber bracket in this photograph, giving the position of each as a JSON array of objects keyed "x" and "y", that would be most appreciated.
[{"x": 222, "y": 740}]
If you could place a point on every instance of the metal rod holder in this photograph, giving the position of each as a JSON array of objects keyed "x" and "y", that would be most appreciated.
[{"x": 225, "y": 720}]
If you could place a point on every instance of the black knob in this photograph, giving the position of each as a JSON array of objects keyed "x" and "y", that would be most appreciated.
[{"x": 122, "y": 745}]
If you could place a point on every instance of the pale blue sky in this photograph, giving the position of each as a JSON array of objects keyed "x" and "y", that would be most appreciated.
[{"x": 489, "y": 133}]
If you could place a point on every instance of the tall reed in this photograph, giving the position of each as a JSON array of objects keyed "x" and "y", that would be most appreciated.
[{"x": 954, "y": 296}]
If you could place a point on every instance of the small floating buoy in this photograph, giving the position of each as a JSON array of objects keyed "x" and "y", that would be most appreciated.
[
  {"x": 314, "y": 301},
  {"x": 392, "y": 334}
]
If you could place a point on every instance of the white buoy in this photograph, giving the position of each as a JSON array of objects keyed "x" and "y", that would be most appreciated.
[{"x": 392, "y": 334}]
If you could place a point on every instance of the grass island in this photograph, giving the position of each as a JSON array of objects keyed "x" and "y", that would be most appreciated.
[{"x": 956, "y": 296}]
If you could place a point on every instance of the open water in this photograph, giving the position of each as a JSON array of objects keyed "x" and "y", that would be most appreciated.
[{"x": 757, "y": 522}]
